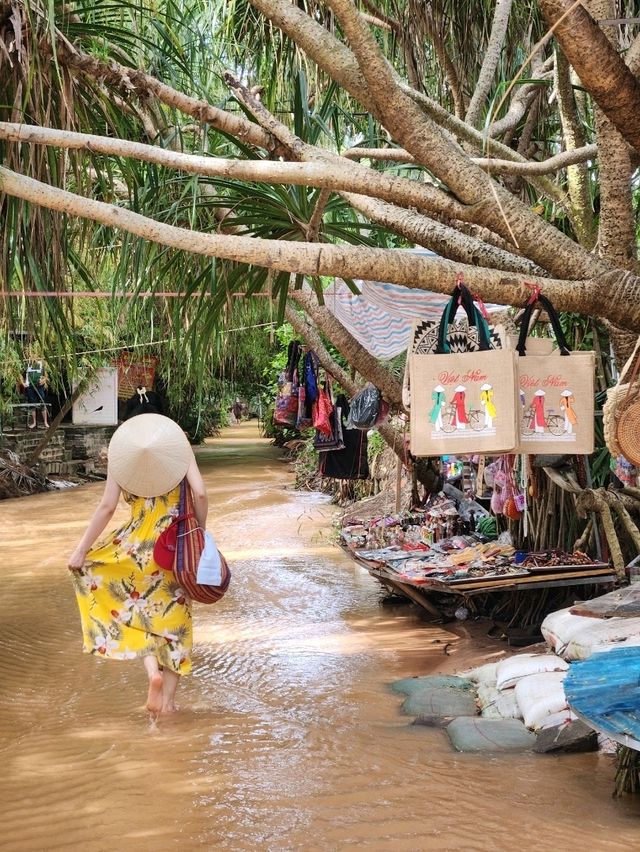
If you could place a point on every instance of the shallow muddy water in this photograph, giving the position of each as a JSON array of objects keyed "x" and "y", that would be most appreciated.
[{"x": 288, "y": 737}]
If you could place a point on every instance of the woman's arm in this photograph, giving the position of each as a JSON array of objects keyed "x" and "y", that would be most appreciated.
[
  {"x": 199, "y": 493},
  {"x": 98, "y": 522}
]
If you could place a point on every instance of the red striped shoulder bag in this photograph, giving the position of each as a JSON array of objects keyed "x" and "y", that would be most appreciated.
[{"x": 179, "y": 548}]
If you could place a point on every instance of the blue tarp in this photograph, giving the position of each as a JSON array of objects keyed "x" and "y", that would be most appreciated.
[{"x": 605, "y": 691}]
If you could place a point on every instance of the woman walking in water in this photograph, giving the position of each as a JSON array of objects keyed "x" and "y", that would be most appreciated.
[{"x": 129, "y": 607}]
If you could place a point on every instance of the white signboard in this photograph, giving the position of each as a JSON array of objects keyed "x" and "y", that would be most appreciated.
[{"x": 98, "y": 406}]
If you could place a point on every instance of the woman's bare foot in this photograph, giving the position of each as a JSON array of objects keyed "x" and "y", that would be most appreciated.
[
  {"x": 154, "y": 696},
  {"x": 170, "y": 681}
]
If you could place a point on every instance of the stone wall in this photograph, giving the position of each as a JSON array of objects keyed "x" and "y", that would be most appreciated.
[
  {"x": 72, "y": 449},
  {"x": 86, "y": 442},
  {"x": 23, "y": 443}
]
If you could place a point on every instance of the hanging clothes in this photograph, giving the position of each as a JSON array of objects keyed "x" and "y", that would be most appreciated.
[{"x": 350, "y": 462}]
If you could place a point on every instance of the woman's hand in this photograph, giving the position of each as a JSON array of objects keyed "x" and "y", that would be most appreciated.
[{"x": 77, "y": 559}]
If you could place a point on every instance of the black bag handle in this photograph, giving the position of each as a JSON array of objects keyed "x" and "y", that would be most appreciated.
[
  {"x": 461, "y": 297},
  {"x": 293, "y": 357},
  {"x": 555, "y": 323}
]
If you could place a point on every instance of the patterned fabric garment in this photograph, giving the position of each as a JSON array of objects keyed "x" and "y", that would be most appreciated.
[{"x": 129, "y": 606}]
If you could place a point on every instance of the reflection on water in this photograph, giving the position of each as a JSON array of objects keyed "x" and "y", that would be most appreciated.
[{"x": 288, "y": 738}]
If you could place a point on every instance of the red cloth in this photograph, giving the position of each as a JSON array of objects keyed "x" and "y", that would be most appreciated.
[
  {"x": 459, "y": 402},
  {"x": 538, "y": 411}
]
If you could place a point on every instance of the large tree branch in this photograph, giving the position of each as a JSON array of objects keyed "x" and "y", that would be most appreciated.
[
  {"x": 615, "y": 295},
  {"x": 490, "y": 61},
  {"x": 331, "y": 172},
  {"x": 131, "y": 80},
  {"x": 533, "y": 167},
  {"x": 601, "y": 69},
  {"x": 425, "y": 195},
  {"x": 518, "y": 108},
  {"x": 506, "y": 167},
  {"x": 444, "y": 240}
]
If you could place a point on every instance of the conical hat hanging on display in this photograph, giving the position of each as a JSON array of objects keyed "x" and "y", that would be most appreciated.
[{"x": 149, "y": 455}]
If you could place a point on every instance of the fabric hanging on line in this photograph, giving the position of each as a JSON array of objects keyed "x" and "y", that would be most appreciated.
[
  {"x": 350, "y": 462},
  {"x": 381, "y": 318}
]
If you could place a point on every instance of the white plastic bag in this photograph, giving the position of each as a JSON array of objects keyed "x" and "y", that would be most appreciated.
[
  {"x": 563, "y": 717},
  {"x": 209, "y": 567},
  {"x": 515, "y": 668}
]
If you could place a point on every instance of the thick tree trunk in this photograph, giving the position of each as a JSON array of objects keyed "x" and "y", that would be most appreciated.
[
  {"x": 339, "y": 63},
  {"x": 495, "y": 207},
  {"x": 577, "y": 175},
  {"x": 490, "y": 61},
  {"x": 617, "y": 228},
  {"x": 601, "y": 69}
]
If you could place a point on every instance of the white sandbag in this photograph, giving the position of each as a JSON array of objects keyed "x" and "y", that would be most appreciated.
[
  {"x": 495, "y": 704},
  {"x": 604, "y": 635},
  {"x": 540, "y": 696},
  {"x": 561, "y": 626},
  {"x": 515, "y": 668},
  {"x": 486, "y": 674},
  {"x": 555, "y": 719}
]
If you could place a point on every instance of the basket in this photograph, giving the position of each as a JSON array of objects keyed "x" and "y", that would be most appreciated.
[
  {"x": 628, "y": 430},
  {"x": 615, "y": 404}
]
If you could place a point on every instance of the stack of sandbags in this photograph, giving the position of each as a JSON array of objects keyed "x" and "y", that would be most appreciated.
[
  {"x": 492, "y": 703},
  {"x": 577, "y": 637},
  {"x": 542, "y": 701},
  {"x": 536, "y": 683}
]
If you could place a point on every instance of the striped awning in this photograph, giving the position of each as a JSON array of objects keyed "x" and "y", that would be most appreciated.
[{"x": 381, "y": 317}]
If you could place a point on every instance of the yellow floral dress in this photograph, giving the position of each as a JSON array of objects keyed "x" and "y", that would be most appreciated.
[{"x": 129, "y": 606}]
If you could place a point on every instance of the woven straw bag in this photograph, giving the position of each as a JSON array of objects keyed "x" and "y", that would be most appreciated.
[{"x": 617, "y": 400}]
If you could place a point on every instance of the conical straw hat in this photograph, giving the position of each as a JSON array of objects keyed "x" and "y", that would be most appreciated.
[{"x": 149, "y": 455}]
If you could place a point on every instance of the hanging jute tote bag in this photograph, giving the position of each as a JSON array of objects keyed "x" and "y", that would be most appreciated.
[
  {"x": 463, "y": 402},
  {"x": 615, "y": 397},
  {"x": 556, "y": 392}
]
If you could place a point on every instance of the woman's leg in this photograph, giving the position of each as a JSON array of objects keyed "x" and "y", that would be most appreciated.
[
  {"x": 154, "y": 696},
  {"x": 170, "y": 681},
  {"x": 45, "y": 416}
]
